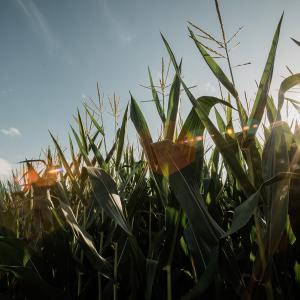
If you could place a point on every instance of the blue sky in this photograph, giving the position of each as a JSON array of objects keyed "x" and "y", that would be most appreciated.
[{"x": 54, "y": 51}]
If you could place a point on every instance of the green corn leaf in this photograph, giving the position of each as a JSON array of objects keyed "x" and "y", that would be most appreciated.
[
  {"x": 171, "y": 54},
  {"x": 220, "y": 122},
  {"x": 295, "y": 41},
  {"x": 264, "y": 86},
  {"x": 226, "y": 151},
  {"x": 106, "y": 195},
  {"x": 215, "y": 68},
  {"x": 63, "y": 159},
  {"x": 67, "y": 168},
  {"x": 286, "y": 84},
  {"x": 224, "y": 148},
  {"x": 97, "y": 155},
  {"x": 192, "y": 134},
  {"x": 156, "y": 99},
  {"x": 266, "y": 132},
  {"x": 96, "y": 124},
  {"x": 171, "y": 236},
  {"x": 85, "y": 240},
  {"x": 173, "y": 106},
  {"x": 139, "y": 122},
  {"x": 206, "y": 278},
  {"x": 204, "y": 231},
  {"x": 172, "y": 157},
  {"x": 74, "y": 160},
  {"x": 295, "y": 103},
  {"x": 228, "y": 111},
  {"x": 244, "y": 211},
  {"x": 294, "y": 203},
  {"x": 19, "y": 260},
  {"x": 121, "y": 138},
  {"x": 192, "y": 127},
  {"x": 82, "y": 148},
  {"x": 81, "y": 131},
  {"x": 271, "y": 110},
  {"x": 254, "y": 162},
  {"x": 151, "y": 268},
  {"x": 275, "y": 160},
  {"x": 220, "y": 75},
  {"x": 141, "y": 127},
  {"x": 218, "y": 139},
  {"x": 113, "y": 148}
]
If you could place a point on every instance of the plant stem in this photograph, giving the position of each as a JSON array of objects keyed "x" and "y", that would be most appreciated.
[
  {"x": 115, "y": 271},
  {"x": 224, "y": 40},
  {"x": 100, "y": 252},
  {"x": 150, "y": 229},
  {"x": 169, "y": 282}
]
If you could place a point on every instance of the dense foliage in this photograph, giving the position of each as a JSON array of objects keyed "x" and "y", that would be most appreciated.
[{"x": 170, "y": 220}]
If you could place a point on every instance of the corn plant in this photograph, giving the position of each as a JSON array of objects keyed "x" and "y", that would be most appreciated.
[{"x": 174, "y": 220}]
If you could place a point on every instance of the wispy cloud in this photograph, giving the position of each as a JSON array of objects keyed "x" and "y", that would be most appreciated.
[
  {"x": 7, "y": 91},
  {"x": 39, "y": 23},
  {"x": 207, "y": 88},
  {"x": 12, "y": 131},
  {"x": 5, "y": 169},
  {"x": 124, "y": 34}
]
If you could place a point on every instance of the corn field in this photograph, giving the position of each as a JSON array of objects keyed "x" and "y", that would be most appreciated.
[{"x": 208, "y": 210}]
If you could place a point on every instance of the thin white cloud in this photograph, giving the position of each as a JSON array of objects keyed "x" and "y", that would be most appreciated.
[
  {"x": 39, "y": 23},
  {"x": 12, "y": 131},
  {"x": 124, "y": 34},
  {"x": 207, "y": 88},
  {"x": 5, "y": 169}
]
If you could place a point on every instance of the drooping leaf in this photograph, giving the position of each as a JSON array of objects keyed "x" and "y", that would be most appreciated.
[
  {"x": 286, "y": 84},
  {"x": 85, "y": 240},
  {"x": 106, "y": 194},
  {"x": 244, "y": 211},
  {"x": 225, "y": 149},
  {"x": 206, "y": 278}
]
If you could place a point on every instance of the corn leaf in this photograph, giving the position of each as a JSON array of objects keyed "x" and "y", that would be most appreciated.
[
  {"x": 106, "y": 195},
  {"x": 286, "y": 84},
  {"x": 220, "y": 75},
  {"x": 96, "y": 260},
  {"x": 264, "y": 86},
  {"x": 173, "y": 106},
  {"x": 121, "y": 138},
  {"x": 156, "y": 99}
]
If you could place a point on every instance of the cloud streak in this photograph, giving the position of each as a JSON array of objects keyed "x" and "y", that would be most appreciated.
[
  {"x": 12, "y": 131},
  {"x": 125, "y": 36},
  {"x": 39, "y": 23},
  {"x": 207, "y": 88}
]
